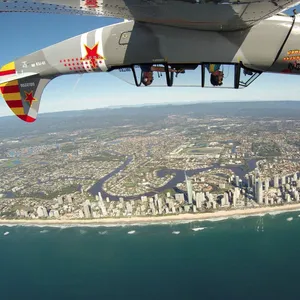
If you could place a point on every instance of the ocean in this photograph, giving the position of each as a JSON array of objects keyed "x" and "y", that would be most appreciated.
[{"x": 244, "y": 258}]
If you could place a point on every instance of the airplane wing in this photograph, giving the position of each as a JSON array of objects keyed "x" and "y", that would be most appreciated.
[{"x": 217, "y": 15}]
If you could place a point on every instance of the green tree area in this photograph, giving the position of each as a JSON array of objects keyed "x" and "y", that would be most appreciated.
[
  {"x": 164, "y": 193},
  {"x": 266, "y": 148},
  {"x": 67, "y": 148},
  {"x": 8, "y": 214},
  {"x": 65, "y": 190}
]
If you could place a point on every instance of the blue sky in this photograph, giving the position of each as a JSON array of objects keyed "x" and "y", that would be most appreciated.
[{"x": 25, "y": 33}]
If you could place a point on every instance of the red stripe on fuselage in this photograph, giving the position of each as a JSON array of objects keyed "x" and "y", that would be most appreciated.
[
  {"x": 9, "y": 89},
  {"x": 14, "y": 103},
  {"x": 8, "y": 72},
  {"x": 26, "y": 118}
]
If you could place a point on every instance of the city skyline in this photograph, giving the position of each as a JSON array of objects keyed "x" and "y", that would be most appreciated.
[{"x": 165, "y": 161}]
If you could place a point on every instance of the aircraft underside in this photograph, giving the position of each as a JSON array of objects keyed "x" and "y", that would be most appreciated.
[{"x": 148, "y": 54}]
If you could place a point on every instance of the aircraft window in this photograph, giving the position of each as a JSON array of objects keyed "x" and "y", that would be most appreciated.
[
  {"x": 247, "y": 76},
  {"x": 220, "y": 75},
  {"x": 151, "y": 75},
  {"x": 188, "y": 75}
]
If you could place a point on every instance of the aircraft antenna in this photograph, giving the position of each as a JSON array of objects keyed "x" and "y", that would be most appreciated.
[{"x": 76, "y": 83}]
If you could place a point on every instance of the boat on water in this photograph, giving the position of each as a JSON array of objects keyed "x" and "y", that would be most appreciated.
[
  {"x": 175, "y": 232},
  {"x": 102, "y": 232},
  {"x": 131, "y": 232},
  {"x": 198, "y": 228},
  {"x": 6, "y": 233}
]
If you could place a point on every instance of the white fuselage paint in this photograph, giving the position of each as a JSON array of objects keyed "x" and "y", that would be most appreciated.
[
  {"x": 100, "y": 62},
  {"x": 83, "y": 42},
  {"x": 98, "y": 39}
]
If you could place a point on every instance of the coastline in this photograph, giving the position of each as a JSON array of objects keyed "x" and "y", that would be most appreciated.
[{"x": 153, "y": 219}]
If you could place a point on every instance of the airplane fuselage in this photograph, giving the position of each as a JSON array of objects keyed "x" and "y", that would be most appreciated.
[{"x": 273, "y": 45}]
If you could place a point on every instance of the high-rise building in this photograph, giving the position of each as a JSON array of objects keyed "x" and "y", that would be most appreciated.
[
  {"x": 214, "y": 204},
  {"x": 276, "y": 181},
  {"x": 81, "y": 214},
  {"x": 255, "y": 187},
  {"x": 103, "y": 208},
  {"x": 198, "y": 200},
  {"x": 247, "y": 180},
  {"x": 251, "y": 180},
  {"x": 87, "y": 210},
  {"x": 222, "y": 201},
  {"x": 234, "y": 200},
  {"x": 189, "y": 188},
  {"x": 237, "y": 181},
  {"x": 267, "y": 183},
  {"x": 179, "y": 197},
  {"x": 40, "y": 212},
  {"x": 60, "y": 201},
  {"x": 226, "y": 198},
  {"x": 295, "y": 177},
  {"x": 100, "y": 196},
  {"x": 237, "y": 192},
  {"x": 159, "y": 202},
  {"x": 129, "y": 207},
  {"x": 296, "y": 195},
  {"x": 259, "y": 192},
  {"x": 69, "y": 199},
  {"x": 45, "y": 211}
]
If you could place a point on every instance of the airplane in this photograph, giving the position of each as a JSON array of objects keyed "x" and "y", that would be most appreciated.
[{"x": 159, "y": 42}]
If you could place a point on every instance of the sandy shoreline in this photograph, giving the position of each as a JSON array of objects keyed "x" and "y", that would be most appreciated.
[{"x": 157, "y": 219}]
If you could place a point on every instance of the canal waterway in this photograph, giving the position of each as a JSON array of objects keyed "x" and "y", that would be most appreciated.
[{"x": 238, "y": 170}]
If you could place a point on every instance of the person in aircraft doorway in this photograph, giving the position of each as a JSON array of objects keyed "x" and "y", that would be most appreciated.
[
  {"x": 216, "y": 76},
  {"x": 147, "y": 73}
]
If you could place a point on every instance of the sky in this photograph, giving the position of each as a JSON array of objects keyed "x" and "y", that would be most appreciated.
[{"x": 24, "y": 33}]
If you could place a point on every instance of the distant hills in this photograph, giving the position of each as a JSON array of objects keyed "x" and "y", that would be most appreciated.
[{"x": 105, "y": 117}]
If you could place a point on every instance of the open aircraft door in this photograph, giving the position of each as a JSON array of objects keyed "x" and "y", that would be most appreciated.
[{"x": 207, "y": 75}]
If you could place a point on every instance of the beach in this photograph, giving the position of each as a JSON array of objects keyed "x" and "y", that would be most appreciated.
[{"x": 232, "y": 213}]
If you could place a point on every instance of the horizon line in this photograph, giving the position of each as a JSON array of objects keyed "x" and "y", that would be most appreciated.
[{"x": 159, "y": 104}]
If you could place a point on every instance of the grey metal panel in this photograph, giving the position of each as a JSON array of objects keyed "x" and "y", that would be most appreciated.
[
  {"x": 263, "y": 42},
  {"x": 289, "y": 58},
  {"x": 256, "y": 47},
  {"x": 217, "y": 15}
]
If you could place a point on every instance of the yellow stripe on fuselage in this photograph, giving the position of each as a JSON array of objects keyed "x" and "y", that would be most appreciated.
[
  {"x": 12, "y": 96},
  {"x": 15, "y": 82},
  {"x": 18, "y": 110},
  {"x": 9, "y": 66}
]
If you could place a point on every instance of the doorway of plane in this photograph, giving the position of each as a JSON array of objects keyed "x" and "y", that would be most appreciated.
[{"x": 209, "y": 75}]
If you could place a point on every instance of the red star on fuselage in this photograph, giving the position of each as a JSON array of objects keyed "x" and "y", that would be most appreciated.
[
  {"x": 29, "y": 97},
  {"x": 91, "y": 3},
  {"x": 92, "y": 55}
]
